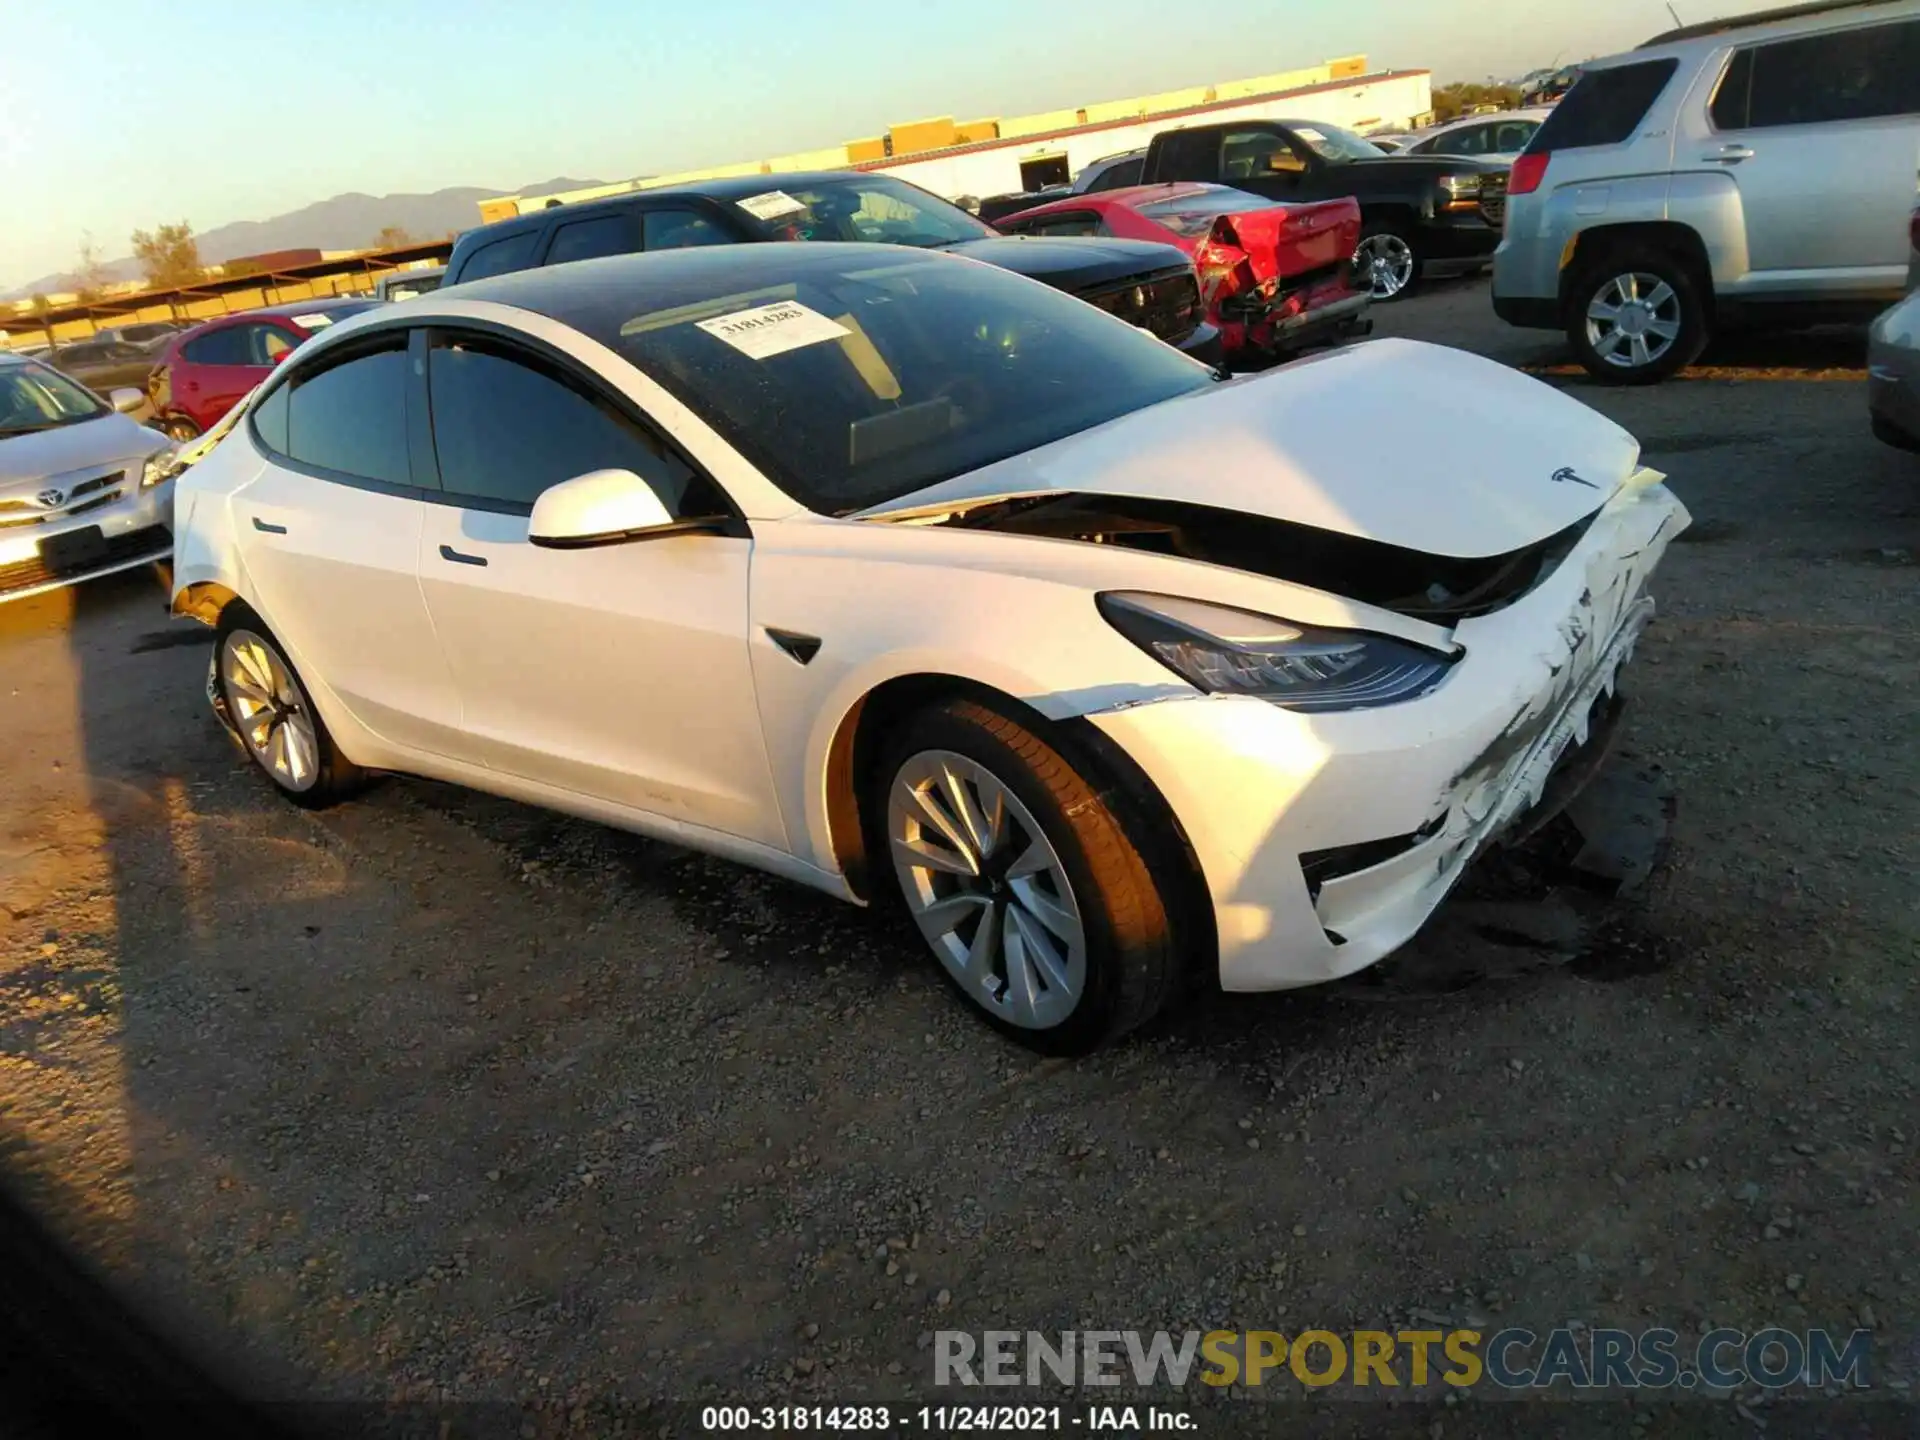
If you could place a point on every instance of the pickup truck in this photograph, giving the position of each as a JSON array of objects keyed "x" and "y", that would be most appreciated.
[{"x": 1420, "y": 215}]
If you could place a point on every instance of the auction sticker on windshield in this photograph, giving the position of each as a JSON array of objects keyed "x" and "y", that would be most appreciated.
[
  {"x": 770, "y": 205},
  {"x": 769, "y": 330}
]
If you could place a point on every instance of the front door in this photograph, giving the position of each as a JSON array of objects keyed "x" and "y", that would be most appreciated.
[{"x": 619, "y": 672}]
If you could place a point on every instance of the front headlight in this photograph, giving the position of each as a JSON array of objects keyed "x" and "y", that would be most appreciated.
[
  {"x": 1224, "y": 651},
  {"x": 161, "y": 465}
]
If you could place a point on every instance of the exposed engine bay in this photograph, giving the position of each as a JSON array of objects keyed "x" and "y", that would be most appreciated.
[{"x": 1436, "y": 588}]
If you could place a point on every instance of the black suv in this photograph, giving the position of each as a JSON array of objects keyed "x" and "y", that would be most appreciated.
[{"x": 1151, "y": 286}]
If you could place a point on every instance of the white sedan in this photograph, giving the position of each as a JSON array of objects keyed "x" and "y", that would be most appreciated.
[{"x": 908, "y": 578}]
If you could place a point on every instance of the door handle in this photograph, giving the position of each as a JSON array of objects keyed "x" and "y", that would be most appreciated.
[
  {"x": 1729, "y": 155},
  {"x": 447, "y": 552},
  {"x": 267, "y": 527}
]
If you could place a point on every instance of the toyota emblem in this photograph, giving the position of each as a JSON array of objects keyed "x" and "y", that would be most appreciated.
[{"x": 52, "y": 499}]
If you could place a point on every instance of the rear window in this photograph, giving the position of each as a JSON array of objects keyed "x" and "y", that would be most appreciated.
[
  {"x": 1605, "y": 106},
  {"x": 1859, "y": 74},
  {"x": 1193, "y": 214}
]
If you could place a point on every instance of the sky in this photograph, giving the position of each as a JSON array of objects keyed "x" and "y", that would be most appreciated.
[{"x": 246, "y": 111}]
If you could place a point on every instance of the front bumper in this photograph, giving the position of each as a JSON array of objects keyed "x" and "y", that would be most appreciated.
[
  {"x": 1893, "y": 374},
  {"x": 117, "y": 528},
  {"x": 1412, "y": 791},
  {"x": 1321, "y": 324},
  {"x": 1455, "y": 241}
]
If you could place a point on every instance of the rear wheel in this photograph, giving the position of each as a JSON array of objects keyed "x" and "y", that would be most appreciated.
[
  {"x": 1385, "y": 262},
  {"x": 1032, "y": 898},
  {"x": 274, "y": 716},
  {"x": 1635, "y": 317}
]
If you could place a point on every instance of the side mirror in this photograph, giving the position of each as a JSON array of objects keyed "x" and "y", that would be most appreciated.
[
  {"x": 602, "y": 507},
  {"x": 126, "y": 399}
]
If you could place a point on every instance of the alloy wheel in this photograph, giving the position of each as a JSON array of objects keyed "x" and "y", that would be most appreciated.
[
  {"x": 1633, "y": 320},
  {"x": 270, "y": 710},
  {"x": 1386, "y": 262},
  {"x": 987, "y": 889}
]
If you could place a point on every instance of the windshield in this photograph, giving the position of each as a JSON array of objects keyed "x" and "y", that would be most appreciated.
[
  {"x": 1193, "y": 213},
  {"x": 860, "y": 207},
  {"x": 32, "y": 397},
  {"x": 851, "y": 382},
  {"x": 1330, "y": 142}
]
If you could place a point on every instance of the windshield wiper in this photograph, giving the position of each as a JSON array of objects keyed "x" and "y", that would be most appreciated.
[{"x": 31, "y": 429}]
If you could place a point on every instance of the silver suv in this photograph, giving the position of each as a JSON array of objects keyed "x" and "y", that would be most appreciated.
[{"x": 1751, "y": 171}]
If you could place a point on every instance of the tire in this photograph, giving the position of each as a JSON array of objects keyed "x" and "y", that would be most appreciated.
[
  {"x": 180, "y": 429},
  {"x": 1675, "y": 322},
  {"x": 1074, "y": 998},
  {"x": 1385, "y": 260},
  {"x": 296, "y": 753}
]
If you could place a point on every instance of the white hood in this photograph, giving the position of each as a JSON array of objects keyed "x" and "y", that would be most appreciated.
[{"x": 1413, "y": 445}]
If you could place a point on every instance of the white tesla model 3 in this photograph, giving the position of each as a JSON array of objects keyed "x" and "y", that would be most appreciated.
[{"x": 898, "y": 574}]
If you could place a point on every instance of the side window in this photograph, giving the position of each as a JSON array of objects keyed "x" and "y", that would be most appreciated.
[
  {"x": 675, "y": 229},
  {"x": 1511, "y": 137},
  {"x": 1119, "y": 176},
  {"x": 264, "y": 344},
  {"x": 590, "y": 239},
  {"x": 1471, "y": 140},
  {"x": 352, "y": 416},
  {"x": 270, "y": 419},
  {"x": 1859, "y": 74},
  {"x": 510, "y": 252},
  {"x": 507, "y": 425},
  {"x": 217, "y": 347},
  {"x": 1250, "y": 155}
]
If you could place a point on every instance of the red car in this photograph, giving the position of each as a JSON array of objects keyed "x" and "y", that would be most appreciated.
[
  {"x": 203, "y": 372},
  {"x": 1274, "y": 278}
]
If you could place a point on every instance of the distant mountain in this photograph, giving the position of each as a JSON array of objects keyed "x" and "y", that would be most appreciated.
[{"x": 346, "y": 222}]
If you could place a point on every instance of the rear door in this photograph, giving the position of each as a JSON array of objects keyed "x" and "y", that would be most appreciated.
[
  {"x": 224, "y": 364},
  {"x": 1821, "y": 136},
  {"x": 330, "y": 535},
  {"x": 619, "y": 672}
]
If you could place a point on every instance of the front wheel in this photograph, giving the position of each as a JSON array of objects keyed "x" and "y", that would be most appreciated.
[
  {"x": 1023, "y": 883},
  {"x": 1386, "y": 264},
  {"x": 1635, "y": 317},
  {"x": 180, "y": 429},
  {"x": 275, "y": 717}
]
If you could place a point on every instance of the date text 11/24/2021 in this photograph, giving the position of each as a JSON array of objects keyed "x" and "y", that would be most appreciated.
[{"x": 946, "y": 1419}]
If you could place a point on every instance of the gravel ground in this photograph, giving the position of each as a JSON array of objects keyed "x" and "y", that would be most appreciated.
[{"x": 433, "y": 1096}]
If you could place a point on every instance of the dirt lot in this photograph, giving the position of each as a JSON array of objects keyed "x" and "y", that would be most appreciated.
[{"x": 436, "y": 1096}]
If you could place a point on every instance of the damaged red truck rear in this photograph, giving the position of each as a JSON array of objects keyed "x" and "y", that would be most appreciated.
[{"x": 1274, "y": 278}]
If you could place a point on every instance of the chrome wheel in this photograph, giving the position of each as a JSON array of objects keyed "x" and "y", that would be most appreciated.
[
  {"x": 987, "y": 889},
  {"x": 181, "y": 431},
  {"x": 1633, "y": 320},
  {"x": 270, "y": 710},
  {"x": 1385, "y": 261}
]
